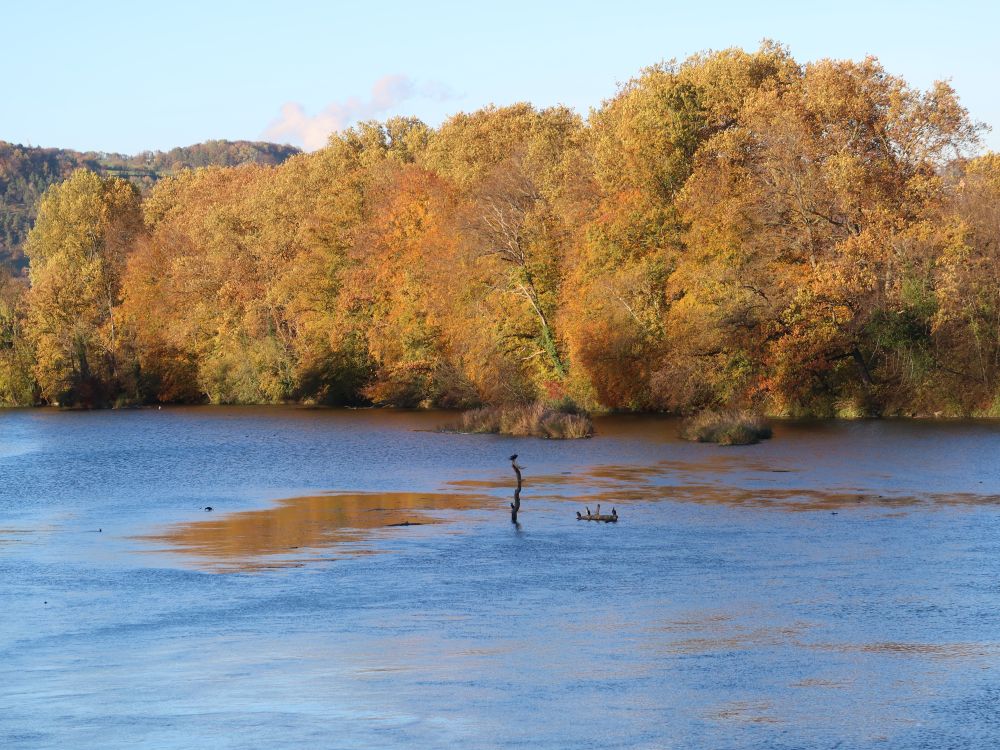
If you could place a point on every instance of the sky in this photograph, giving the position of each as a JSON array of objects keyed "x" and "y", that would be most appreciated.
[{"x": 144, "y": 75}]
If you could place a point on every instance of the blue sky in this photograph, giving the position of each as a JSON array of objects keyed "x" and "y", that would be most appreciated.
[{"x": 129, "y": 76}]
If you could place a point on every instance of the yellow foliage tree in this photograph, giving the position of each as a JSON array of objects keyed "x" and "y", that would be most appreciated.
[{"x": 77, "y": 251}]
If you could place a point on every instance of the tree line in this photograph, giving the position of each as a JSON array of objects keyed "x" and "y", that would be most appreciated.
[{"x": 734, "y": 229}]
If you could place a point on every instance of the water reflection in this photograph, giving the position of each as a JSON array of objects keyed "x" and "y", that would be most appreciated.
[
  {"x": 718, "y": 481},
  {"x": 823, "y": 684},
  {"x": 746, "y": 712},
  {"x": 298, "y": 528},
  {"x": 943, "y": 651}
]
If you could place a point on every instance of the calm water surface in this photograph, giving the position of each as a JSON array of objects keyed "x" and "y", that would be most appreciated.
[{"x": 838, "y": 586}]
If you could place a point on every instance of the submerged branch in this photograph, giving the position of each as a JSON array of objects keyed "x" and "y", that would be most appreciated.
[{"x": 516, "y": 505}]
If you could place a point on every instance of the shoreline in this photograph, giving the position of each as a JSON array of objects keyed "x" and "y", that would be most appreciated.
[{"x": 597, "y": 414}]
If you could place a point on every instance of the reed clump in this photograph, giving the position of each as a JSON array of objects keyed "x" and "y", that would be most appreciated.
[
  {"x": 524, "y": 420},
  {"x": 726, "y": 427}
]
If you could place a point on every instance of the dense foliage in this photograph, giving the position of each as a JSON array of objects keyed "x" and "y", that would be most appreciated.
[
  {"x": 735, "y": 230},
  {"x": 26, "y": 173}
]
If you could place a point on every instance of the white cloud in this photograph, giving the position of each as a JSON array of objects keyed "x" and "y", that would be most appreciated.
[{"x": 295, "y": 125}]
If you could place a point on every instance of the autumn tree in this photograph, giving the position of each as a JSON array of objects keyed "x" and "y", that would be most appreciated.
[
  {"x": 642, "y": 146},
  {"x": 77, "y": 251},
  {"x": 17, "y": 381},
  {"x": 964, "y": 311},
  {"x": 405, "y": 282},
  {"x": 509, "y": 164},
  {"x": 803, "y": 226}
]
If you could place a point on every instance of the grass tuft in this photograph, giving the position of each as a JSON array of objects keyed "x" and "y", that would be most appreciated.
[
  {"x": 535, "y": 420},
  {"x": 728, "y": 427}
]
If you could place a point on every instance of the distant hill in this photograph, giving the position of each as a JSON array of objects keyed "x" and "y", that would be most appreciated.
[{"x": 26, "y": 172}]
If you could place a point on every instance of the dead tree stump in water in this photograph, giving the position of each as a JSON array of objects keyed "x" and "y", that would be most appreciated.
[{"x": 516, "y": 505}]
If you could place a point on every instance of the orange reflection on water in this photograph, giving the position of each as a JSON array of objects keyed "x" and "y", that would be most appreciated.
[
  {"x": 299, "y": 527},
  {"x": 699, "y": 484}
]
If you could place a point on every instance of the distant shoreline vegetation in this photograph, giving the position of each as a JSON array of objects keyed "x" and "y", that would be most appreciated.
[{"x": 737, "y": 228}]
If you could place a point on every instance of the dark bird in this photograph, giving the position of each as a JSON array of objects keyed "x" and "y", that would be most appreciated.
[
  {"x": 614, "y": 513},
  {"x": 514, "y": 457},
  {"x": 208, "y": 507}
]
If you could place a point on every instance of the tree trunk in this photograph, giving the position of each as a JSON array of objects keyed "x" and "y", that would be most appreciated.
[
  {"x": 516, "y": 505},
  {"x": 859, "y": 360}
]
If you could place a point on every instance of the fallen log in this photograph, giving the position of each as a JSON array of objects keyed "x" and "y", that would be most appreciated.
[{"x": 606, "y": 518}]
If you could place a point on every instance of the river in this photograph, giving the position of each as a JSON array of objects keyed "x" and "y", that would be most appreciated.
[{"x": 837, "y": 586}]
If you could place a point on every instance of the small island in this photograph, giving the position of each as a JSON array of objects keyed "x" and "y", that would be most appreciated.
[
  {"x": 557, "y": 422},
  {"x": 726, "y": 427}
]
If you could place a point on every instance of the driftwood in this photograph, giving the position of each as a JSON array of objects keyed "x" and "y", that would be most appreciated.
[
  {"x": 516, "y": 505},
  {"x": 606, "y": 518}
]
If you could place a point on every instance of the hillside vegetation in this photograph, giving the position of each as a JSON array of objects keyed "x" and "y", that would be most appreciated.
[
  {"x": 27, "y": 172},
  {"x": 736, "y": 230}
]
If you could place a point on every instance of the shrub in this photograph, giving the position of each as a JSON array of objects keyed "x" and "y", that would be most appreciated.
[
  {"x": 729, "y": 427},
  {"x": 523, "y": 420}
]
